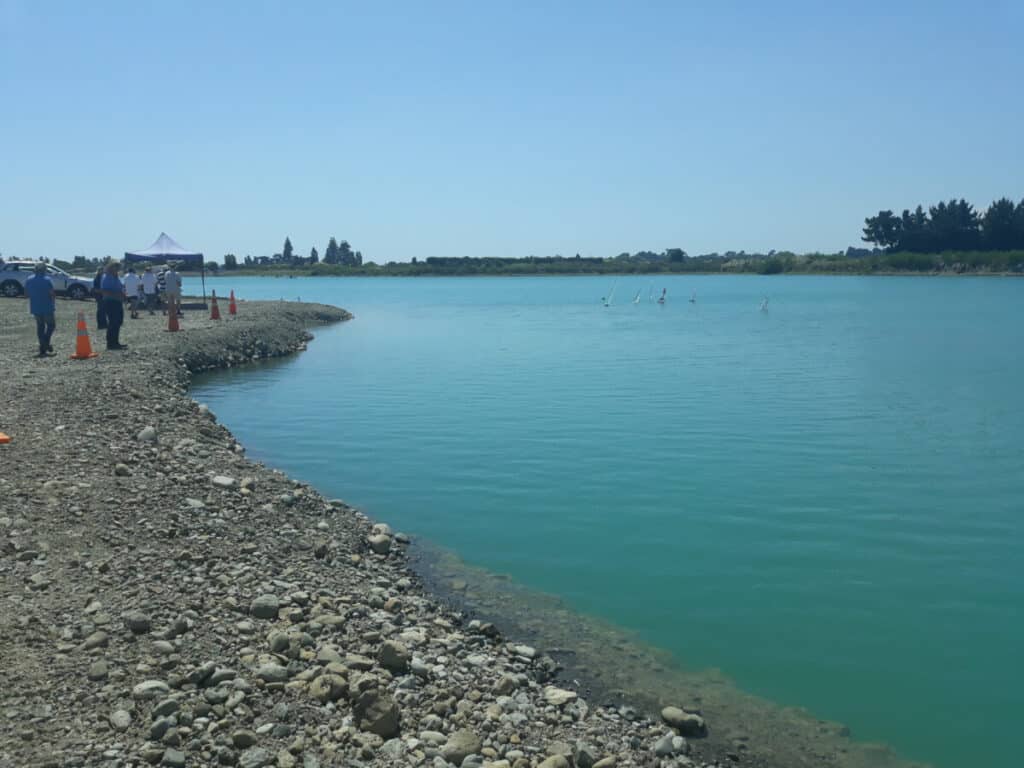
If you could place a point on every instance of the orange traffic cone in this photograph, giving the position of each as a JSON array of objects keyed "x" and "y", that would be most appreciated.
[
  {"x": 172, "y": 316},
  {"x": 83, "y": 347},
  {"x": 214, "y": 310},
  {"x": 4, "y": 439},
  {"x": 232, "y": 309}
]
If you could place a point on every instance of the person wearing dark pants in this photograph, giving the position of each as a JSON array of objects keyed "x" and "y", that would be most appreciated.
[
  {"x": 101, "y": 313},
  {"x": 43, "y": 306},
  {"x": 149, "y": 288},
  {"x": 113, "y": 306}
]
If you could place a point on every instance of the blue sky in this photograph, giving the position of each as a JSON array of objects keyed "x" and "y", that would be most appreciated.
[{"x": 496, "y": 129}]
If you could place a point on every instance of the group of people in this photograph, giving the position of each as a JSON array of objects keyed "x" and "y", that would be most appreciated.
[
  {"x": 148, "y": 290},
  {"x": 111, "y": 295}
]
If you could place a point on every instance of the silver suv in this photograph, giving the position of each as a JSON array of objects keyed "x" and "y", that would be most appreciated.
[{"x": 13, "y": 275}]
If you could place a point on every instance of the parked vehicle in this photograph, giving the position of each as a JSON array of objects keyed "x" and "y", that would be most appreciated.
[{"x": 13, "y": 275}]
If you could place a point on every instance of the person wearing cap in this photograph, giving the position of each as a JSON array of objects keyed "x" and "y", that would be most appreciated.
[
  {"x": 42, "y": 304},
  {"x": 113, "y": 303}
]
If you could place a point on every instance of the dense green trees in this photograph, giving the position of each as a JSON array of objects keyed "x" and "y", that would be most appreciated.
[
  {"x": 949, "y": 226},
  {"x": 1003, "y": 225},
  {"x": 331, "y": 252},
  {"x": 335, "y": 253},
  {"x": 342, "y": 254},
  {"x": 950, "y": 236}
]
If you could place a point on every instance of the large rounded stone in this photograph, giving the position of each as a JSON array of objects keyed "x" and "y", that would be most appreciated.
[
  {"x": 278, "y": 642},
  {"x": 377, "y": 713},
  {"x": 558, "y": 697},
  {"x": 138, "y": 622},
  {"x": 394, "y": 656},
  {"x": 506, "y": 685},
  {"x": 166, "y": 707},
  {"x": 272, "y": 673},
  {"x": 586, "y": 755},
  {"x": 380, "y": 543},
  {"x": 255, "y": 757},
  {"x": 98, "y": 670},
  {"x": 328, "y": 688},
  {"x": 265, "y": 607},
  {"x": 243, "y": 738},
  {"x": 460, "y": 745},
  {"x": 150, "y": 689},
  {"x": 685, "y": 723},
  {"x": 98, "y": 639},
  {"x": 120, "y": 720}
]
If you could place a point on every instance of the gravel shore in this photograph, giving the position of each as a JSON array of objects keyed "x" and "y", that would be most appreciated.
[{"x": 166, "y": 601}]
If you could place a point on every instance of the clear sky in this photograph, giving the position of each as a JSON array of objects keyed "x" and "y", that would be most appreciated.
[{"x": 497, "y": 129}]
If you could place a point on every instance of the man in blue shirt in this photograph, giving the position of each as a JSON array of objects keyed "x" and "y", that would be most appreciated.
[
  {"x": 101, "y": 317},
  {"x": 42, "y": 303},
  {"x": 113, "y": 304}
]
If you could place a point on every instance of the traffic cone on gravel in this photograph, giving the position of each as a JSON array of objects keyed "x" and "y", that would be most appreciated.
[
  {"x": 232, "y": 308},
  {"x": 214, "y": 309},
  {"x": 83, "y": 347},
  {"x": 172, "y": 316}
]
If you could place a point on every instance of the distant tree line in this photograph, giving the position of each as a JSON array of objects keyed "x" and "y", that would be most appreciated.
[
  {"x": 335, "y": 253},
  {"x": 952, "y": 226},
  {"x": 669, "y": 261},
  {"x": 949, "y": 237}
]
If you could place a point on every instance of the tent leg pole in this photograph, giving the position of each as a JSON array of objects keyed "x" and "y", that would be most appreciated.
[{"x": 204, "y": 283}]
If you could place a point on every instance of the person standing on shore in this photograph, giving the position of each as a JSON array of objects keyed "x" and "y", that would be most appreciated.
[
  {"x": 101, "y": 315},
  {"x": 172, "y": 285},
  {"x": 42, "y": 303},
  {"x": 131, "y": 291},
  {"x": 149, "y": 288},
  {"x": 113, "y": 304}
]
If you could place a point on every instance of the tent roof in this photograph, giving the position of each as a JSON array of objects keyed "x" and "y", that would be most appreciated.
[{"x": 165, "y": 247}]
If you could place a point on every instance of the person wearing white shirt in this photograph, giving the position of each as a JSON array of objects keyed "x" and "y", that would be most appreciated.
[
  {"x": 131, "y": 291},
  {"x": 149, "y": 288},
  {"x": 172, "y": 287}
]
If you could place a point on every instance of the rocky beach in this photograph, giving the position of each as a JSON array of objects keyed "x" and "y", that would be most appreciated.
[{"x": 166, "y": 601}]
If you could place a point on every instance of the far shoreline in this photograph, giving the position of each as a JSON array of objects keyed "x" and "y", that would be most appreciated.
[{"x": 307, "y": 274}]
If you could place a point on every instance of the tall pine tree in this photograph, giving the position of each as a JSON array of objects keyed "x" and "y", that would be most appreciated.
[
  {"x": 286, "y": 252},
  {"x": 331, "y": 254},
  {"x": 314, "y": 257},
  {"x": 345, "y": 255}
]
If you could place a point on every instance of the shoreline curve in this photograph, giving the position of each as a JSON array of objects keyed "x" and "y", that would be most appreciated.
[{"x": 173, "y": 602}]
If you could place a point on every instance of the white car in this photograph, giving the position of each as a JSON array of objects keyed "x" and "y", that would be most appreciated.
[{"x": 13, "y": 275}]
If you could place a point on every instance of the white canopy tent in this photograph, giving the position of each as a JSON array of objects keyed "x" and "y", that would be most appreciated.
[{"x": 166, "y": 249}]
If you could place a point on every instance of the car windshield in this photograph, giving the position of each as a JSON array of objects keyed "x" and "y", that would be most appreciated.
[{"x": 56, "y": 270}]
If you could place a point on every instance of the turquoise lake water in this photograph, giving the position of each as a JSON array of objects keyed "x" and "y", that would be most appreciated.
[{"x": 822, "y": 500}]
